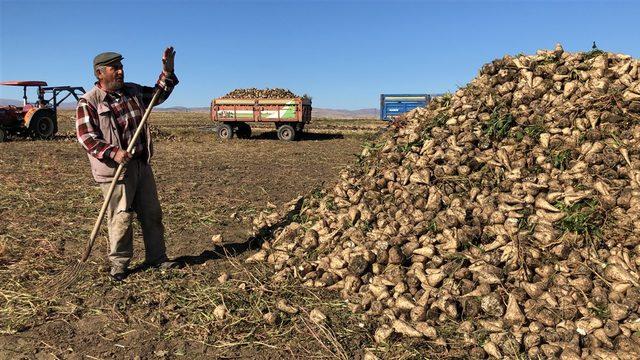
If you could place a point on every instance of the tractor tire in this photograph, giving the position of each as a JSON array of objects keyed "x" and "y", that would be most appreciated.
[
  {"x": 286, "y": 133},
  {"x": 43, "y": 124},
  {"x": 244, "y": 131},
  {"x": 225, "y": 131},
  {"x": 3, "y": 135}
]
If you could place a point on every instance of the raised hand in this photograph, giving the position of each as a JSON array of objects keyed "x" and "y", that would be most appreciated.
[{"x": 167, "y": 59}]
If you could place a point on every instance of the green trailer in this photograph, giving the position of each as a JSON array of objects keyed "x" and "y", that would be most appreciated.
[{"x": 235, "y": 115}]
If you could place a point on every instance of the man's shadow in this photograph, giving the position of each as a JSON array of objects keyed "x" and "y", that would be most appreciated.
[
  {"x": 235, "y": 249},
  {"x": 305, "y": 136}
]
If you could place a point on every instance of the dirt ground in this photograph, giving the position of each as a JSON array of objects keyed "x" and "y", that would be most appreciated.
[{"x": 48, "y": 204}]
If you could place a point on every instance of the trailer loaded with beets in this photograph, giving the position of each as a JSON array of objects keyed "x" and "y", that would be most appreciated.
[
  {"x": 236, "y": 110},
  {"x": 40, "y": 119}
]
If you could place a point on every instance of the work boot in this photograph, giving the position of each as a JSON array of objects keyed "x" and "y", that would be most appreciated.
[{"x": 118, "y": 274}]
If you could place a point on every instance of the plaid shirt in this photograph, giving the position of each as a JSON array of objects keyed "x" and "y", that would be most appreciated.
[{"x": 127, "y": 114}]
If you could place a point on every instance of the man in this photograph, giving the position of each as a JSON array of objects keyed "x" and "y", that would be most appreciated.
[{"x": 107, "y": 118}]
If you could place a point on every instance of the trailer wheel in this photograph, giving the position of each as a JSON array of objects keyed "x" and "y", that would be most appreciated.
[
  {"x": 286, "y": 133},
  {"x": 244, "y": 130},
  {"x": 3, "y": 135},
  {"x": 225, "y": 131},
  {"x": 43, "y": 125}
]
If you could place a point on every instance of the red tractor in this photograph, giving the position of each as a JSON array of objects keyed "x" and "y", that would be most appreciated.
[{"x": 38, "y": 120}]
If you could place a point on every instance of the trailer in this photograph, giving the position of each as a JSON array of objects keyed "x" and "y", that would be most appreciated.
[
  {"x": 234, "y": 116},
  {"x": 393, "y": 105}
]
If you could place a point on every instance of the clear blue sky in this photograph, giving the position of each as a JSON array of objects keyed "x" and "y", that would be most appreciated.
[{"x": 343, "y": 53}]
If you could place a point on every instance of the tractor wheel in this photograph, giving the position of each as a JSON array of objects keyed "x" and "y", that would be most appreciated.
[
  {"x": 225, "y": 131},
  {"x": 286, "y": 133},
  {"x": 244, "y": 131},
  {"x": 43, "y": 125},
  {"x": 3, "y": 135}
]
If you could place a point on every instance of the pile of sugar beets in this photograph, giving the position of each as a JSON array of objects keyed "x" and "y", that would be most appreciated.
[
  {"x": 503, "y": 218},
  {"x": 253, "y": 93}
]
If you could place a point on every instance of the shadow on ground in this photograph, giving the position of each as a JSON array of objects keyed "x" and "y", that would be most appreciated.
[
  {"x": 273, "y": 135},
  {"x": 235, "y": 249}
]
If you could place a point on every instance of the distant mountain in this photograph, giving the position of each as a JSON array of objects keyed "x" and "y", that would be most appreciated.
[
  {"x": 181, "y": 109},
  {"x": 318, "y": 113},
  {"x": 5, "y": 102}
]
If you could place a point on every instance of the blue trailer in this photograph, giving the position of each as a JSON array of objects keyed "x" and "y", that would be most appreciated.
[{"x": 392, "y": 105}]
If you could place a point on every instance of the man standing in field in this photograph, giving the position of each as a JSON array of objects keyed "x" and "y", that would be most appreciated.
[{"x": 106, "y": 119}]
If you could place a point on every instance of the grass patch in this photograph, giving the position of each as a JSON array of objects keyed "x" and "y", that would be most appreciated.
[
  {"x": 560, "y": 159},
  {"x": 548, "y": 59},
  {"x": 519, "y": 136},
  {"x": 437, "y": 121},
  {"x": 331, "y": 204},
  {"x": 584, "y": 217},
  {"x": 445, "y": 99},
  {"x": 592, "y": 54},
  {"x": 433, "y": 227},
  {"x": 407, "y": 147},
  {"x": 534, "y": 130},
  {"x": 317, "y": 192},
  {"x": 498, "y": 125},
  {"x": 601, "y": 312},
  {"x": 481, "y": 336},
  {"x": 371, "y": 147},
  {"x": 300, "y": 218},
  {"x": 523, "y": 222}
]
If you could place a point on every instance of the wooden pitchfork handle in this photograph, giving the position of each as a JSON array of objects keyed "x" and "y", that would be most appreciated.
[{"x": 107, "y": 198}]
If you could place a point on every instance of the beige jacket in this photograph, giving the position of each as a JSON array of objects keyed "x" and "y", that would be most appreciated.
[{"x": 104, "y": 170}]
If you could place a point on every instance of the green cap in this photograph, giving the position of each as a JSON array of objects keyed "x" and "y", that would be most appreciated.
[{"x": 106, "y": 58}]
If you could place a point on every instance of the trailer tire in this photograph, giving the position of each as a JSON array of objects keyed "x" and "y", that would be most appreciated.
[
  {"x": 3, "y": 135},
  {"x": 244, "y": 131},
  {"x": 286, "y": 133},
  {"x": 225, "y": 131},
  {"x": 43, "y": 124}
]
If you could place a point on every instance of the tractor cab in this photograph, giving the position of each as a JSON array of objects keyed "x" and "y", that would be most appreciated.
[
  {"x": 25, "y": 84},
  {"x": 38, "y": 119}
]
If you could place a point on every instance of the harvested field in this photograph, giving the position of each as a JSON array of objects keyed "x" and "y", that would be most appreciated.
[
  {"x": 189, "y": 122},
  {"x": 48, "y": 203},
  {"x": 499, "y": 221}
]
